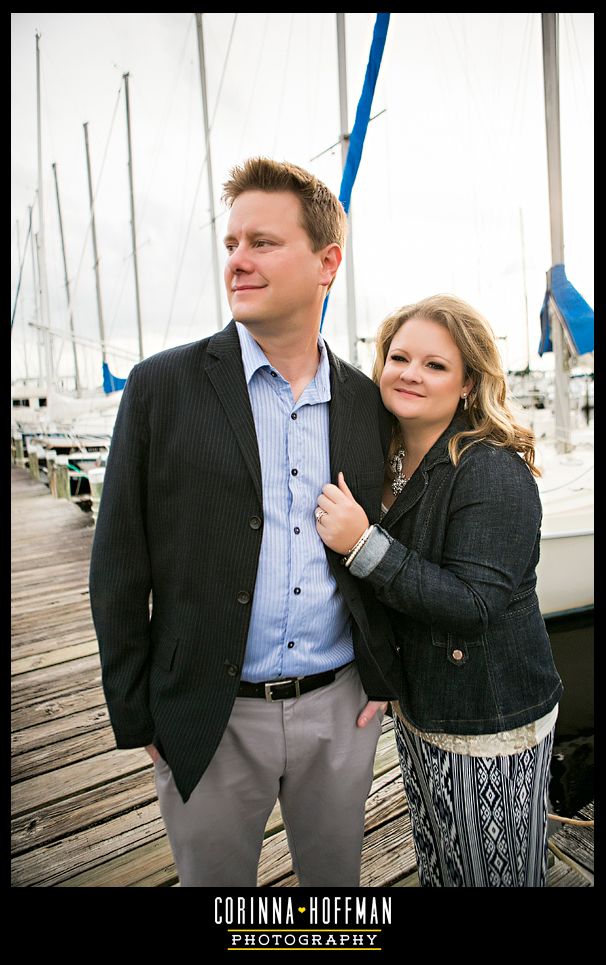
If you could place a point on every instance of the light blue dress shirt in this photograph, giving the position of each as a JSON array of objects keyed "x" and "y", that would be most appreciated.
[{"x": 300, "y": 624}]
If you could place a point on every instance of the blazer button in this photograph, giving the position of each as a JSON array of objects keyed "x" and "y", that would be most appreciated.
[
  {"x": 243, "y": 596},
  {"x": 254, "y": 522},
  {"x": 457, "y": 654},
  {"x": 232, "y": 669}
]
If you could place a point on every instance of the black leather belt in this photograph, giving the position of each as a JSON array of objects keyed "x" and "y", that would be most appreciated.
[{"x": 291, "y": 687}]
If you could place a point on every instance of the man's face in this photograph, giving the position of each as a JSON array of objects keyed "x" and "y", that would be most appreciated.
[{"x": 272, "y": 276}]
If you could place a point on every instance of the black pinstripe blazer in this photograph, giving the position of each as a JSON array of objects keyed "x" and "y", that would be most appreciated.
[{"x": 181, "y": 519}]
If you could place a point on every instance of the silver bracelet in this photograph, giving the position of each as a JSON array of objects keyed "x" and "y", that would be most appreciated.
[{"x": 349, "y": 558}]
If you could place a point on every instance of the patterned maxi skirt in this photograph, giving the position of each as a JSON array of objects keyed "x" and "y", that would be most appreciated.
[{"x": 477, "y": 822}]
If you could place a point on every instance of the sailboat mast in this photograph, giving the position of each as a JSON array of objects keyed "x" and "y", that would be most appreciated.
[
  {"x": 42, "y": 276},
  {"x": 33, "y": 237},
  {"x": 96, "y": 256},
  {"x": 209, "y": 171},
  {"x": 527, "y": 365},
  {"x": 21, "y": 312},
  {"x": 132, "y": 216},
  {"x": 352, "y": 325},
  {"x": 554, "y": 170},
  {"x": 69, "y": 301}
]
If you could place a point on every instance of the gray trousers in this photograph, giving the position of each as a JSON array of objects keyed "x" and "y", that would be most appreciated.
[{"x": 308, "y": 753}]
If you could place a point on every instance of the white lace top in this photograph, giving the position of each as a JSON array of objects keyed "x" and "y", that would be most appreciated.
[{"x": 487, "y": 745}]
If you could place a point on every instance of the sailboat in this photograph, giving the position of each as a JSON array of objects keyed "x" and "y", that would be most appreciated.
[{"x": 52, "y": 429}]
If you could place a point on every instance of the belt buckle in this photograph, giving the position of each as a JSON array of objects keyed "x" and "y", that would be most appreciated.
[{"x": 281, "y": 683}]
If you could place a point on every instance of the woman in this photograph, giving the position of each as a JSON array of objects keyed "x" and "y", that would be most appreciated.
[{"x": 454, "y": 558}]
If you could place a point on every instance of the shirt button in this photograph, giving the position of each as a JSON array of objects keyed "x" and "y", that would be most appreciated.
[
  {"x": 291, "y": 644},
  {"x": 457, "y": 654},
  {"x": 297, "y": 530},
  {"x": 254, "y": 522},
  {"x": 274, "y": 375},
  {"x": 294, "y": 472},
  {"x": 293, "y": 415},
  {"x": 243, "y": 596},
  {"x": 297, "y": 590}
]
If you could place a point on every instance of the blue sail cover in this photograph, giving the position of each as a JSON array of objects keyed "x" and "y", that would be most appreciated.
[
  {"x": 358, "y": 134},
  {"x": 574, "y": 311},
  {"x": 111, "y": 383}
]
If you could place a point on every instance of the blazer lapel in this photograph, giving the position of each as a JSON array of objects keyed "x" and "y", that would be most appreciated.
[
  {"x": 410, "y": 495},
  {"x": 341, "y": 407},
  {"x": 226, "y": 373}
]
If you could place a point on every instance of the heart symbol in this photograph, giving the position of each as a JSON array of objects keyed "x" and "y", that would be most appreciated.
[{"x": 302, "y": 910}]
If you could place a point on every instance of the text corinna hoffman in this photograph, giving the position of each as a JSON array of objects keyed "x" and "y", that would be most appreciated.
[{"x": 282, "y": 910}]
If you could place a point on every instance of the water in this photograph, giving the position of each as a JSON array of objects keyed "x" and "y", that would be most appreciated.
[{"x": 572, "y": 769}]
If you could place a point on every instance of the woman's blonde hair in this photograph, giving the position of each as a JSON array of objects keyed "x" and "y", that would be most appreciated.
[{"x": 489, "y": 414}]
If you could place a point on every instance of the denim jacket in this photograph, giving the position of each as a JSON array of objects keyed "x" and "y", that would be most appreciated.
[{"x": 455, "y": 561}]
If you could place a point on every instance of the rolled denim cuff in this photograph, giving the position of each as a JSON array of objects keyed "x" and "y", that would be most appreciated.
[{"x": 371, "y": 553}]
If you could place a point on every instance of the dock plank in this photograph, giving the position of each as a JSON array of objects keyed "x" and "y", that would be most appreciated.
[{"x": 82, "y": 810}]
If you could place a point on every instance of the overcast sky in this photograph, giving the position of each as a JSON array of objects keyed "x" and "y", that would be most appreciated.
[{"x": 451, "y": 194}]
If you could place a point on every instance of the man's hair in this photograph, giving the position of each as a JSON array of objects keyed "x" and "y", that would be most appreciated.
[{"x": 322, "y": 214}]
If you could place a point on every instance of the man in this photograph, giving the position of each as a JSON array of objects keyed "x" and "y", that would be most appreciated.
[{"x": 263, "y": 669}]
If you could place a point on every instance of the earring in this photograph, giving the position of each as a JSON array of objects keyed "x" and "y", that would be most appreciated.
[{"x": 465, "y": 400}]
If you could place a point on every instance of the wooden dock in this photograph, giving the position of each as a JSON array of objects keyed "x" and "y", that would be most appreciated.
[{"x": 85, "y": 814}]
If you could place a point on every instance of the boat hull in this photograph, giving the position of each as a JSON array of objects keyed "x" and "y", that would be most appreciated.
[{"x": 565, "y": 572}]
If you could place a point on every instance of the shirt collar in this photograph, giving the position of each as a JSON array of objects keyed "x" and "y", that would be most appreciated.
[{"x": 254, "y": 358}]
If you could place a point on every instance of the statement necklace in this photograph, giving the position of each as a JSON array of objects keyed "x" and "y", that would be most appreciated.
[{"x": 399, "y": 479}]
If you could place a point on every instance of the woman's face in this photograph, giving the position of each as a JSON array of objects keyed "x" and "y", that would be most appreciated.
[{"x": 423, "y": 379}]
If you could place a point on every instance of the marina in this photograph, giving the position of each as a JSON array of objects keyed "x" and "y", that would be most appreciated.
[{"x": 84, "y": 814}]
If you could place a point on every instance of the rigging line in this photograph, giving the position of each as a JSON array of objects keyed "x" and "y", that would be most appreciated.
[
  {"x": 188, "y": 172},
  {"x": 283, "y": 86},
  {"x": 572, "y": 41},
  {"x": 460, "y": 47},
  {"x": 318, "y": 50},
  {"x": 253, "y": 86},
  {"x": 437, "y": 45},
  {"x": 521, "y": 90},
  {"x": 193, "y": 207},
  {"x": 163, "y": 125},
  {"x": 96, "y": 191},
  {"x": 475, "y": 99},
  {"x": 117, "y": 300},
  {"x": 207, "y": 270},
  {"x": 185, "y": 177},
  {"x": 29, "y": 231},
  {"x": 225, "y": 62},
  {"x": 508, "y": 161},
  {"x": 568, "y": 483},
  {"x": 183, "y": 250}
]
